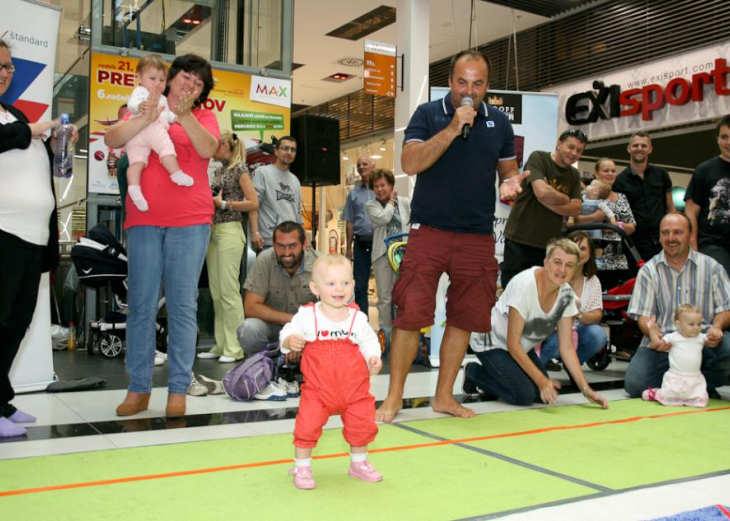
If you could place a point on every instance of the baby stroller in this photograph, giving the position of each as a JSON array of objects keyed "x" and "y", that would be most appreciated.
[
  {"x": 99, "y": 260},
  {"x": 395, "y": 247},
  {"x": 624, "y": 335}
]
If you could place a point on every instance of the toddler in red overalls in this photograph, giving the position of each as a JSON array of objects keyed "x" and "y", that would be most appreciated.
[{"x": 340, "y": 351}]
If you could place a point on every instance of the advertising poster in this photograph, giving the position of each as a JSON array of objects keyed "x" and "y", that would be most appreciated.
[
  {"x": 534, "y": 118},
  {"x": 684, "y": 88},
  {"x": 256, "y": 108},
  {"x": 31, "y": 31}
]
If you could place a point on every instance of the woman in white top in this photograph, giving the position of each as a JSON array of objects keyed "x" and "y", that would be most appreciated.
[
  {"x": 28, "y": 233},
  {"x": 389, "y": 213},
  {"x": 535, "y": 302},
  {"x": 587, "y": 288}
]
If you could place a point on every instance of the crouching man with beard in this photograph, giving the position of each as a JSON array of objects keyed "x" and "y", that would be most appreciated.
[{"x": 275, "y": 287}]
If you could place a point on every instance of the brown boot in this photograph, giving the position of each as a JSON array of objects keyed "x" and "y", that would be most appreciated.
[
  {"x": 133, "y": 403},
  {"x": 175, "y": 406}
]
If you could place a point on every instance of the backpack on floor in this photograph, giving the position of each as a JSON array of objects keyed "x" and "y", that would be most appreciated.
[{"x": 251, "y": 376}]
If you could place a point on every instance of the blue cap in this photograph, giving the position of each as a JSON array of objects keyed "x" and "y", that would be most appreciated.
[{"x": 64, "y": 119}]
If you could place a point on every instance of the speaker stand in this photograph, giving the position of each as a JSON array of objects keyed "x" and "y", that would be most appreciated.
[{"x": 314, "y": 216}]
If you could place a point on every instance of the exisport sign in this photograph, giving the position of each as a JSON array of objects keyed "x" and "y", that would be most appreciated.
[{"x": 606, "y": 102}]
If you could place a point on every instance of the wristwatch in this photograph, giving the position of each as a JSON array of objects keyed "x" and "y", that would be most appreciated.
[{"x": 223, "y": 205}]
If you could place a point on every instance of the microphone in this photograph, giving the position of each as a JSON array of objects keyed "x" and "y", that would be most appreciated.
[{"x": 466, "y": 100}]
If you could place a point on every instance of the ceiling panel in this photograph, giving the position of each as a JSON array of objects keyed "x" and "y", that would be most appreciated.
[{"x": 548, "y": 8}]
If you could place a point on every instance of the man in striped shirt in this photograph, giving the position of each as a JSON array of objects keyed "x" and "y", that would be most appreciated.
[{"x": 678, "y": 275}]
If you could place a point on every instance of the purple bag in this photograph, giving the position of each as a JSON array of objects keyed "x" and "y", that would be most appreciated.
[{"x": 251, "y": 376}]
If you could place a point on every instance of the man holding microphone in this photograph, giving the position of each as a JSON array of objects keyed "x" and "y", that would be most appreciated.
[{"x": 455, "y": 146}]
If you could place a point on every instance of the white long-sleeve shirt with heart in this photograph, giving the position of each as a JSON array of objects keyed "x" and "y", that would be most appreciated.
[{"x": 303, "y": 324}]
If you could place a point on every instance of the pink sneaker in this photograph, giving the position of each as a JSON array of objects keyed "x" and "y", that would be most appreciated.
[
  {"x": 649, "y": 395},
  {"x": 303, "y": 478},
  {"x": 365, "y": 472}
]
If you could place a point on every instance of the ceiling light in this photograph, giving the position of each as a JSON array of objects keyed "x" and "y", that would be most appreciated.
[
  {"x": 376, "y": 156},
  {"x": 338, "y": 77},
  {"x": 366, "y": 24},
  {"x": 382, "y": 146}
]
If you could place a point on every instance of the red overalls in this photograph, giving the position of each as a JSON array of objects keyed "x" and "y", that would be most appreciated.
[{"x": 336, "y": 381}]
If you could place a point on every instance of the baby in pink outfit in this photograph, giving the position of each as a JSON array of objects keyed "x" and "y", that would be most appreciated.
[
  {"x": 683, "y": 383},
  {"x": 151, "y": 75}
]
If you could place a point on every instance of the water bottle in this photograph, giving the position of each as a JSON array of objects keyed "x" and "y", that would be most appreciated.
[
  {"x": 63, "y": 154},
  {"x": 71, "y": 337}
]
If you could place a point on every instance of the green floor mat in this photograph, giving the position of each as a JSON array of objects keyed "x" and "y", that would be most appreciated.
[{"x": 422, "y": 481}]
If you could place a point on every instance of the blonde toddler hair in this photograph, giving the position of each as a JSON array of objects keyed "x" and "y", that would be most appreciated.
[
  {"x": 685, "y": 309},
  {"x": 329, "y": 260},
  {"x": 604, "y": 189},
  {"x": 151, "y": 61}
]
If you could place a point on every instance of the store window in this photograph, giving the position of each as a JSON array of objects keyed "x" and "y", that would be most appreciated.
[
  {"x": 246, "y": 33},
  {"x": 380, "y": 150}
]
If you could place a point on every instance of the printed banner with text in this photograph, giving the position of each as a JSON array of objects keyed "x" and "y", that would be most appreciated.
[
  {"x": 254, "y": 107},
  {"x": 31, "y": 31}
]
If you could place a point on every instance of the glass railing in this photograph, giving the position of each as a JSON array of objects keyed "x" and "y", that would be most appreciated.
[{"x": 217, "y": 30}]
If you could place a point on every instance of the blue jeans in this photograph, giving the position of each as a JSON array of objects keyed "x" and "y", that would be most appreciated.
[
  {"x": 361, "y": 260},
  {"x": 175, "y": 256},
  {"x": 499, "y": 375},
  {"x": 648, "y": 366},
  {"x": 591, "y": 339}
]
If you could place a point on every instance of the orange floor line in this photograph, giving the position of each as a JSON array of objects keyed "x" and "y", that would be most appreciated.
[
  {"x": 133, "y": 479},
  {"x": 439, "y": 443}
]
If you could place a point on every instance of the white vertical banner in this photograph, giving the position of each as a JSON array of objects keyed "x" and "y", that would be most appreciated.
[
  {"x": 33, "y": 366},
  {"x": 534, "y": 118},
  {"x": 31, "y": 30}
]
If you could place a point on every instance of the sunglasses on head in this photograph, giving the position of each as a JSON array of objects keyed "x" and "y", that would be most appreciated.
[{"x": 574, "y": 132}]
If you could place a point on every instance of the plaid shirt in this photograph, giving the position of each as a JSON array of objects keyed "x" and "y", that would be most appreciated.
[{"x": 660, "y": 290}]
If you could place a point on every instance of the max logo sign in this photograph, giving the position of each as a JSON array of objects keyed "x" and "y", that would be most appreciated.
[
  {"x": 271, "y": 90},
  {"x": 611, "y": 102}
]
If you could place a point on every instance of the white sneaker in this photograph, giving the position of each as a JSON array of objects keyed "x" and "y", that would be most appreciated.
[
  {"x": 291, "y": 388},
  {"x": 196, "y": 388},
  {"x": 208, "y": 355},
  {"x": 213, "y": 386},
  {"x": 227, "y": 359},
  {"x": 160, "y": 357},
  {"x": 272, "y": 393}
]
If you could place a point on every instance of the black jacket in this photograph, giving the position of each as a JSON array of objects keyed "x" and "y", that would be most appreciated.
[{"x": 18, "y": 135}]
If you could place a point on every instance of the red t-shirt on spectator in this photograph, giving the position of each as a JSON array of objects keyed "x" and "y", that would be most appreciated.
[{"x": 171, "y": 205}]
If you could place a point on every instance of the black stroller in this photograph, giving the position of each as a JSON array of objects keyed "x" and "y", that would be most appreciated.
[{"x": 100, "y": 259}]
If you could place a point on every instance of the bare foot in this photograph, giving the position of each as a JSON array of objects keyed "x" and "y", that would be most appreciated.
[
  {"x": 387, "y": 411},
  {"x": 452, "y": 407}
]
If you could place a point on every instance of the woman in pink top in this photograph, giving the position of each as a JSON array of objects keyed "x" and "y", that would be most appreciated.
[{"x": 168, "y": 242}]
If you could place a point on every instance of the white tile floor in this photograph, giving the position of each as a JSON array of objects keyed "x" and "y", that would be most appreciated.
[{"x": 96, "y": 406}]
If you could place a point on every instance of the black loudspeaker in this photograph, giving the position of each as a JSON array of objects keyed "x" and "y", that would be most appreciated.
[{"x": 318, "y": 150}]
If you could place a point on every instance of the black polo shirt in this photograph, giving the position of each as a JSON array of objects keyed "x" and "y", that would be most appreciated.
[
  {"x": 458, "y": 192},
  {"x": 648, "y": 200}
]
